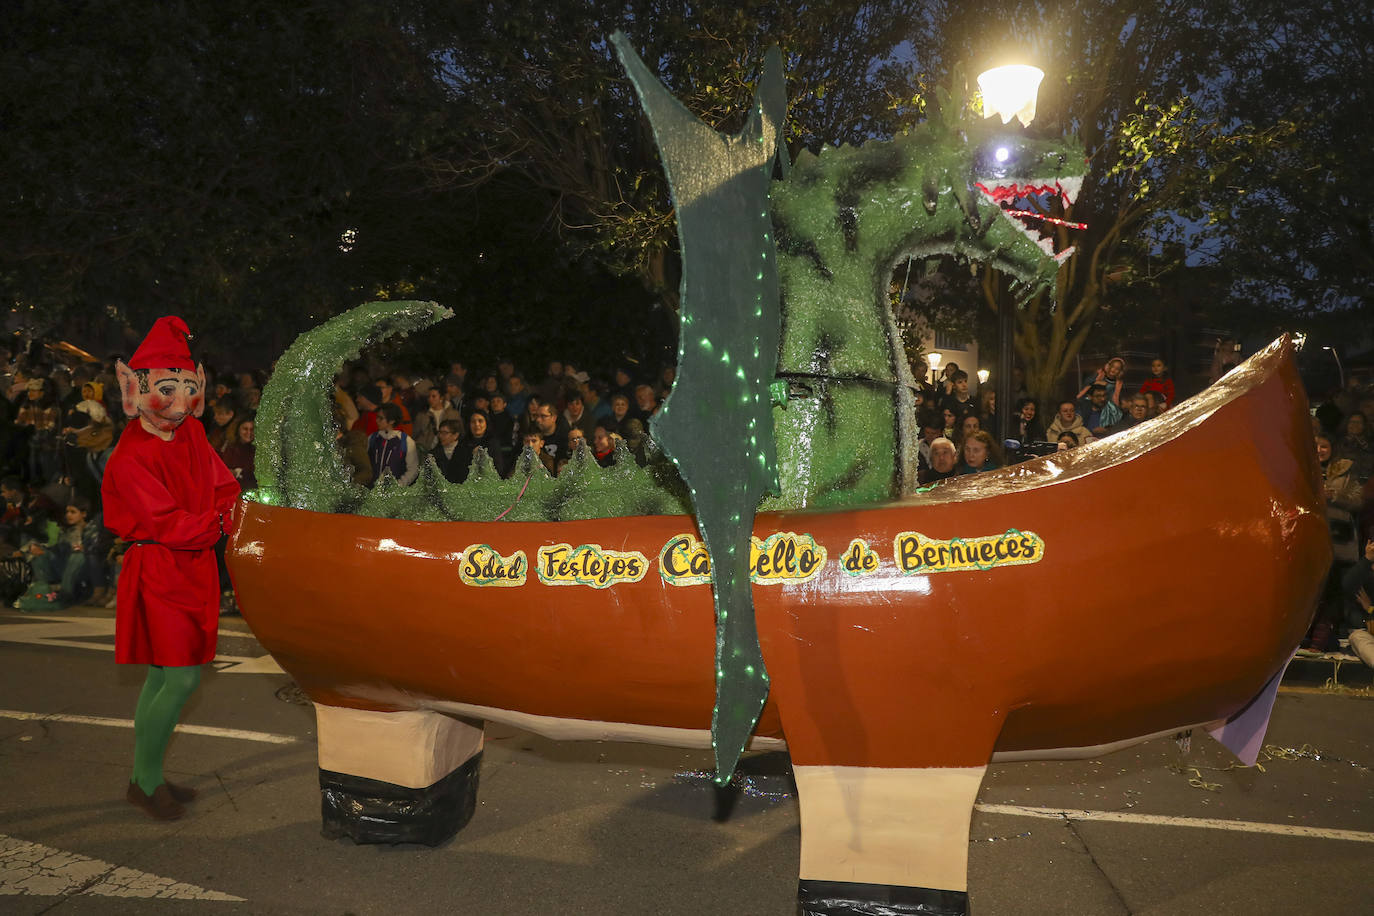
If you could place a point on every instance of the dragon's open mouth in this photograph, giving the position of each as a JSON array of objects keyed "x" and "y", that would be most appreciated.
[{"x": 1036, "y": 208}]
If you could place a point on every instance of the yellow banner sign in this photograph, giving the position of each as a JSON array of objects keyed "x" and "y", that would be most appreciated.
[
  {"x": 590, "y": 564},
  {"x": 915, "y": 553},
  {"x": 782, "y": 557},
  {"x": 785, "y": 557},
  {"x": 860, "y": 559},
  {"x": 483, "y": 566},
  {"x": 684, "y": 561}
]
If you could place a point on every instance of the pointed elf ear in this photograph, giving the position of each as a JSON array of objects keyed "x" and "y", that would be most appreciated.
[
  {"x": 128, "y": 388},
  {"x": 200, "y": 389}
]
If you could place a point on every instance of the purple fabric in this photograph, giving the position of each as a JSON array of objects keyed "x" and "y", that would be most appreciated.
[{"x": 1243, "y": 733}]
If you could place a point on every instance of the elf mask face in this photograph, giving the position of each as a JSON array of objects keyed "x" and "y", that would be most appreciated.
[
  {"x": 162, "y": 399},
  {"x": 162, "y": 386}
]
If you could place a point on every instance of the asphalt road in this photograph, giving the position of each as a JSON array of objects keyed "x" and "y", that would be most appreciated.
[{"x": 619, "y": 828}]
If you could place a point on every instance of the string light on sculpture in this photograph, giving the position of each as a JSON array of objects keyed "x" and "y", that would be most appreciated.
[{"x": 1052, "y": 220}]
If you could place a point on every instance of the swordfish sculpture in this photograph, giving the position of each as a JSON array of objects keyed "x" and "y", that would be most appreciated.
[{"x": 894, "y": 642}]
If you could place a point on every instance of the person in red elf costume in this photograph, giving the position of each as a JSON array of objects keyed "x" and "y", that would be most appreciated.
[{"x": 167, "y": 493}]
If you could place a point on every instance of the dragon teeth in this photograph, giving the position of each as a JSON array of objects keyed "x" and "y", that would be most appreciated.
[{"x": 1069, "y": 189}]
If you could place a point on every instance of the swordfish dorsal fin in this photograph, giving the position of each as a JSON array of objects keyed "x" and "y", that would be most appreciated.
[{"x": 717, "y": 424}]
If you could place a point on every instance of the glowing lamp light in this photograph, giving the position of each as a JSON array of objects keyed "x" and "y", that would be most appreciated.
[
  {"x": 934, "y": 358},
  {"x": 1010, "y": 92},
  {"x": 983, "y": 376}
]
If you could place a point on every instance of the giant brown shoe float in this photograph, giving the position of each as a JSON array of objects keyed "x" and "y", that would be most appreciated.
[{"x": 909, "y": 640}]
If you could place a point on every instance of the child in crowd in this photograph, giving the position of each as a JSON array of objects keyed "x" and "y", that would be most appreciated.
[
  {"x": 1110, "y": 378},
  {"x": 603, "y": 443},
  {"x": 72, "y": 568},
  {"x": 1160, "y": 382},
  {"x": 534, "y": 441},
  {"x": 390, "y": 449}
]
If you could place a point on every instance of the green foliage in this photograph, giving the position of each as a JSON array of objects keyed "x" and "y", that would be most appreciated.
[
  {"x": 216, "y": 160},
  {"x": 207, "y": 158},
  {"x": 1298, "y": 234},
  {"x": 546, "y": 100}
]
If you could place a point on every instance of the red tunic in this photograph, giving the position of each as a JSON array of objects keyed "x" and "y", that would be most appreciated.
[
  {"x": 1163, "y": 386},
  {"x": 170, "y": 493}
]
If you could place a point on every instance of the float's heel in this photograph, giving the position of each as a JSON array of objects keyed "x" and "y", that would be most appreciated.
[{"x": 396, "y": 777}]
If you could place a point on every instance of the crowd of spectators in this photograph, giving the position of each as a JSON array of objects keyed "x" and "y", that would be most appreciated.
[
  {"x": 393, "y": 421},
  {"x": 1345, "y": 453},
  {"x": 59, "y": 423},
  {"x": 956, "y": 428}
]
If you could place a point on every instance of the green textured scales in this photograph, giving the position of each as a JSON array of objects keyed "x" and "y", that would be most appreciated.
[{"x": 297, "y": 463}]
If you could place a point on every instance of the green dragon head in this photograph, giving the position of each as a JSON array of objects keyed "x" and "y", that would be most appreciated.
[
  {"x": 1031, "y": 183},
  {"x": 990, "y": 197},
  {"x": 844, "y": 220},
  {"x": 849, "y": 214}
]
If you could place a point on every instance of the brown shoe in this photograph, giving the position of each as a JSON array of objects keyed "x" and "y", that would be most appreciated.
[
  {"x": 182, "y": 794},
  {"x": 160, "y": 805}
]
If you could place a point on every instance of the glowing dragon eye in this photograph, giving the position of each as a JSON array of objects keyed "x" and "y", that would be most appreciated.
[{"x": 1002, "y": 154}]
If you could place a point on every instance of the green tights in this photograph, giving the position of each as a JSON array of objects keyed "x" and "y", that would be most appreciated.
[{"x": 165, "y": 691}]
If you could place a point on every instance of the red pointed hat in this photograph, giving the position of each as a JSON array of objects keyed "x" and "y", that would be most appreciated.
[{"x": 165, "y": 346}]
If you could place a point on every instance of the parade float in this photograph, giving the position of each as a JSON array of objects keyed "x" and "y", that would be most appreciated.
[{"x": 777, "y": 579}]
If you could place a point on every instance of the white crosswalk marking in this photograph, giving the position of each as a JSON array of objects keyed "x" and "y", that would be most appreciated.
[
  {"x": 33, "y": 869},
  {"x": 210, "y": 730},
  {"x": 1159, "y": 820},
  {"x": 77, "y": 633}
]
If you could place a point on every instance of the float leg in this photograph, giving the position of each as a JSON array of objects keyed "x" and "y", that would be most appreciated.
[
  {"x": 877, "y": 840},
  {"x": 396, "y": 777}
]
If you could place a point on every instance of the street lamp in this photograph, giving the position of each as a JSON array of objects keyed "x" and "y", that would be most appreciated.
[
  {"x": 1339, "y": 368},
  {"x": 1010, "y": 91},
  {"x": 983, "y": 376},
  {"x": 934, "y": 358}
]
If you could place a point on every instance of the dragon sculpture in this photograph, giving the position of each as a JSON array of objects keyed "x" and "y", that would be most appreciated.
[{"x": 836, "y": 226}]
